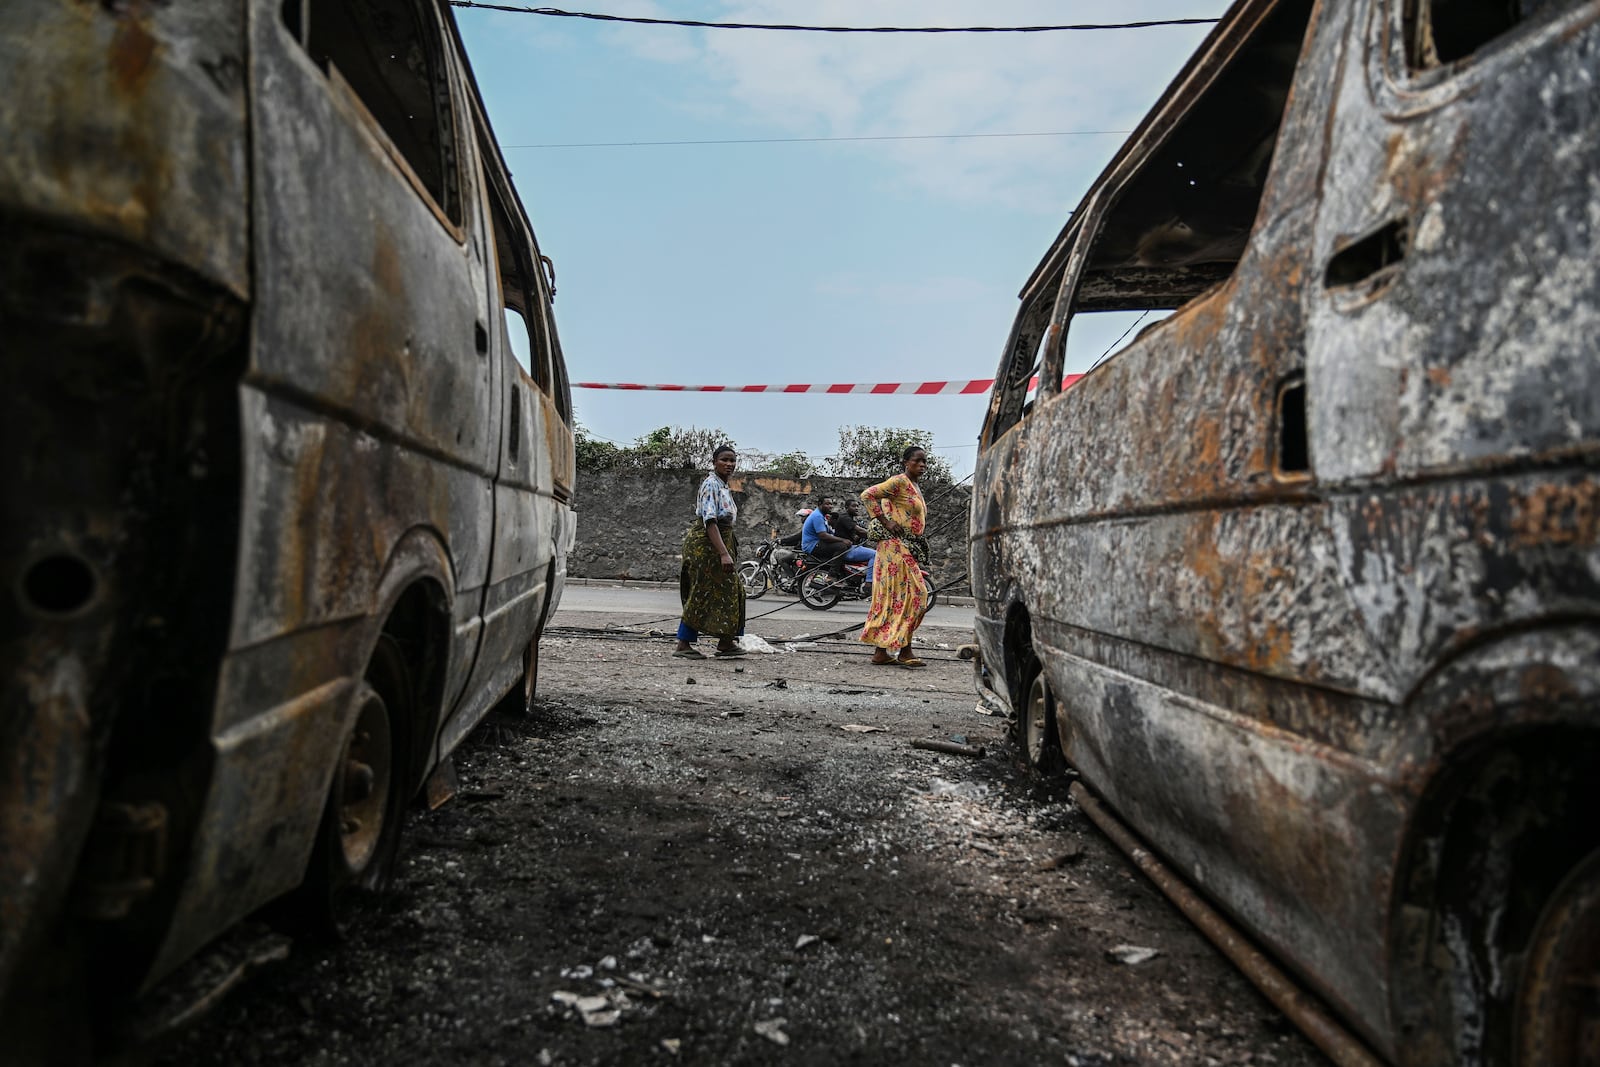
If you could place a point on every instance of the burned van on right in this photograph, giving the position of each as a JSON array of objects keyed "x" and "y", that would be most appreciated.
[{"x": 1303, "y": 580}]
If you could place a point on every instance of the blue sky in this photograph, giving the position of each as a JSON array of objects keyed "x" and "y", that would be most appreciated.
[{"x": 840, "y": 261}]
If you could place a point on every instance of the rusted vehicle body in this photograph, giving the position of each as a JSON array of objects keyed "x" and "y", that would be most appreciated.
[
  {"x": 285, "y": 508},
  {"x": 1304, "y": 580}
]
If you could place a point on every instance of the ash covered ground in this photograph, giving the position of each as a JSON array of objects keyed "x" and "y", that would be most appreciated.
[{"x": 678, "y": 861}]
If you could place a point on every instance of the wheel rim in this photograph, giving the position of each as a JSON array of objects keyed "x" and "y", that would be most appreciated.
[
  {"x": 363, "y": 785},
  {"x": 1036, "y": 720},
  {"x": 755, "y": 579},
  {"x": 1559, "y": 1011},
  {"x": 819, "y": 590}
]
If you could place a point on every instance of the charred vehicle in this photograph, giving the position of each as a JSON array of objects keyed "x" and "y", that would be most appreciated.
[
  {"x": 289, "y": 461},
  {"x": 1304, "y": 580}
]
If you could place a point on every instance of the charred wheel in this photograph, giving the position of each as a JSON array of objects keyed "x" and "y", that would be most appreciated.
[
  {"x": 1037, "y": 728},
  {"x": 361, "y": 817},
  {"x": 1558, "y": 1016}
]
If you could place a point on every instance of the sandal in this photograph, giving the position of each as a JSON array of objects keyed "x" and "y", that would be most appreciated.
[
  {"x": 911, "y": 662},
  {"x": 689, "y": 653},
  {"x": 729, "y": 653}
]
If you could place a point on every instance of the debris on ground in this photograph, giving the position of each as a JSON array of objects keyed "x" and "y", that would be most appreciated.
[
  {"x": 687, "y": 871},
  {"x": 1133, "y": 955},
  {"x": 951, "y": 748},
  {"x": 772, "y": 1030},
  {"x": 1065, "y": 858}
]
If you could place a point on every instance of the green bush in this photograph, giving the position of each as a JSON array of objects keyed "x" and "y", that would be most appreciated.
[{"x": 874, "y": 452}]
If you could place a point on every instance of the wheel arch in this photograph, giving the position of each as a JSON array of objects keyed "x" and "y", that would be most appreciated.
[
  {"x": 1503, "y": 746},
  {"x": 415, "y": 607},
  {"x": 1017, "y": 642}
]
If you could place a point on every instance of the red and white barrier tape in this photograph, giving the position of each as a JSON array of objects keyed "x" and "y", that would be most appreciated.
[{"x": 957, "y": 388}]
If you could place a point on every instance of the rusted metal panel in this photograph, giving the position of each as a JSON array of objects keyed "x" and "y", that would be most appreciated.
[
  {"x": 122, "y": 269},
  {"x": 145, "y": 139},
  {"x": 1250, "y": 611},
  {"x": 257, "y": 397}
]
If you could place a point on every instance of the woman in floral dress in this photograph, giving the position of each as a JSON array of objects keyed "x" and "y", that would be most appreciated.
[
  {"x": 713, "y": 595},
  {"x": 899, "y": 591}
]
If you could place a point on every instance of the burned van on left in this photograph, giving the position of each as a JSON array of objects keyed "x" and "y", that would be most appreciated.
[{"x": 289, "y": 466}]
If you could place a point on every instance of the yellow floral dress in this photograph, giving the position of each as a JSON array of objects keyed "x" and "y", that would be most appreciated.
[{"x": 899, "y": 592}]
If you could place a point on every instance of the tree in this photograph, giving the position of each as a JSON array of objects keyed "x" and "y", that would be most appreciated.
[
  {"x": 675, "y": 448},
  {"x": 592, "y": 453},
  {"x": 796, "y": 466},
  {"x": 874, "y": 452}
]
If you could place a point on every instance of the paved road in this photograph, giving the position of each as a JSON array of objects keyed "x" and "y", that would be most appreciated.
[{"x": 663, "y": 602}]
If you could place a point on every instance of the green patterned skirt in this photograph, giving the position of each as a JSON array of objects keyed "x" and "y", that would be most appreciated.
[{"x": 713, "y": 600}]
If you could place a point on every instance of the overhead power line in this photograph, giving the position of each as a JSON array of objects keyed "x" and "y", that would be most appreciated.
[
  {"x": 557, "y": 12},
  {"x": 812, "y": 140}
]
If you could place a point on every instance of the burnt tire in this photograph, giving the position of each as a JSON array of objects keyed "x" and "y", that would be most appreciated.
[
  {"x": 520, "y": 699},
  {"x": 1558, "y": 1002},
  {"x": 359, "y": 833},
  {"x": 820, "y": 590},
  {"x": 1036, "y": 722},
  {"x": 753, "y": 576}
]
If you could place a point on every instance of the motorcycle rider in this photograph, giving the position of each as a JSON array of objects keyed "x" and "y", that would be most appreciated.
[
  {"x": 847, "y": 523},
  {"x": 818, "y": 537}
]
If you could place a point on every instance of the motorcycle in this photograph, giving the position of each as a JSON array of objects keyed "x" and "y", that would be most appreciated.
[
  {"x": 779, "y": 564},
  {"x": 824, "y": 585}
]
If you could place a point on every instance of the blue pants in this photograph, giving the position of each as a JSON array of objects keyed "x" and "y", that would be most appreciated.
[
  {"x": 691, "y": 635},
  {"x": 862, "y": 554}
]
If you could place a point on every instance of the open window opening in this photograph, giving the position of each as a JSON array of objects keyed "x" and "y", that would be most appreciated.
[
  {"x": 1184, "y": 201},
  {"x": 1096, "y": 336},
  {"x": 1181, "y": 221},
  {"x": 1441, "y": 32},
  {"x": 561, "y": 387},
  {"x": 1017, "y": 380},
  {"x": 391, "y": 54},
  {"x": 521, "y": 339},
  {"x": 519, "y": 291}
]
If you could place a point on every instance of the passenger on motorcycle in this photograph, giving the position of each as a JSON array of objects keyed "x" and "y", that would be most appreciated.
[
  {"x": 847, "y": 524},
  {"x": 817, "y": 537}
]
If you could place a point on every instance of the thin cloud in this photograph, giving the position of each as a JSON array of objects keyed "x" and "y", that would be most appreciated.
[{"x": 810, "y": 85}]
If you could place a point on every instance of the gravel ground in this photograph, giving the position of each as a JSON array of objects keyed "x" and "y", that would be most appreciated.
[{"x": 680, "y": 861}]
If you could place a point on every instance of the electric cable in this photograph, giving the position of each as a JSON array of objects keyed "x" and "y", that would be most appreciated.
[
  {"x": 817, "y": 140},
  {"x": 696, "y": 24}
]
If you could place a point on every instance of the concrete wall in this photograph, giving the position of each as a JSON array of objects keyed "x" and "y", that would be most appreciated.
[{"x": 631, "y": 523}]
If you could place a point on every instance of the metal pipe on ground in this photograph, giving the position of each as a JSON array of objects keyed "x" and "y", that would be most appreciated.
[
  {"x": 1341, "y": 1046},
  {"x": 950, "y": 747}
]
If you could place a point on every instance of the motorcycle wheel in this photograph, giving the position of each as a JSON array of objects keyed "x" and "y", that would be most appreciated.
[
  {"x": 754, "y": 577},
  {"x": 821, "y": 590}
]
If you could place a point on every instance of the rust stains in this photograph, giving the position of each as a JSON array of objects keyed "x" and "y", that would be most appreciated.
[
  {"x": 130, "y": 55},
  {"x": 1556, "y": 514}
]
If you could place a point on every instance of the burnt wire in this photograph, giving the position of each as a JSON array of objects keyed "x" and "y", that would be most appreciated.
[{"x": 696, "y": 24}]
